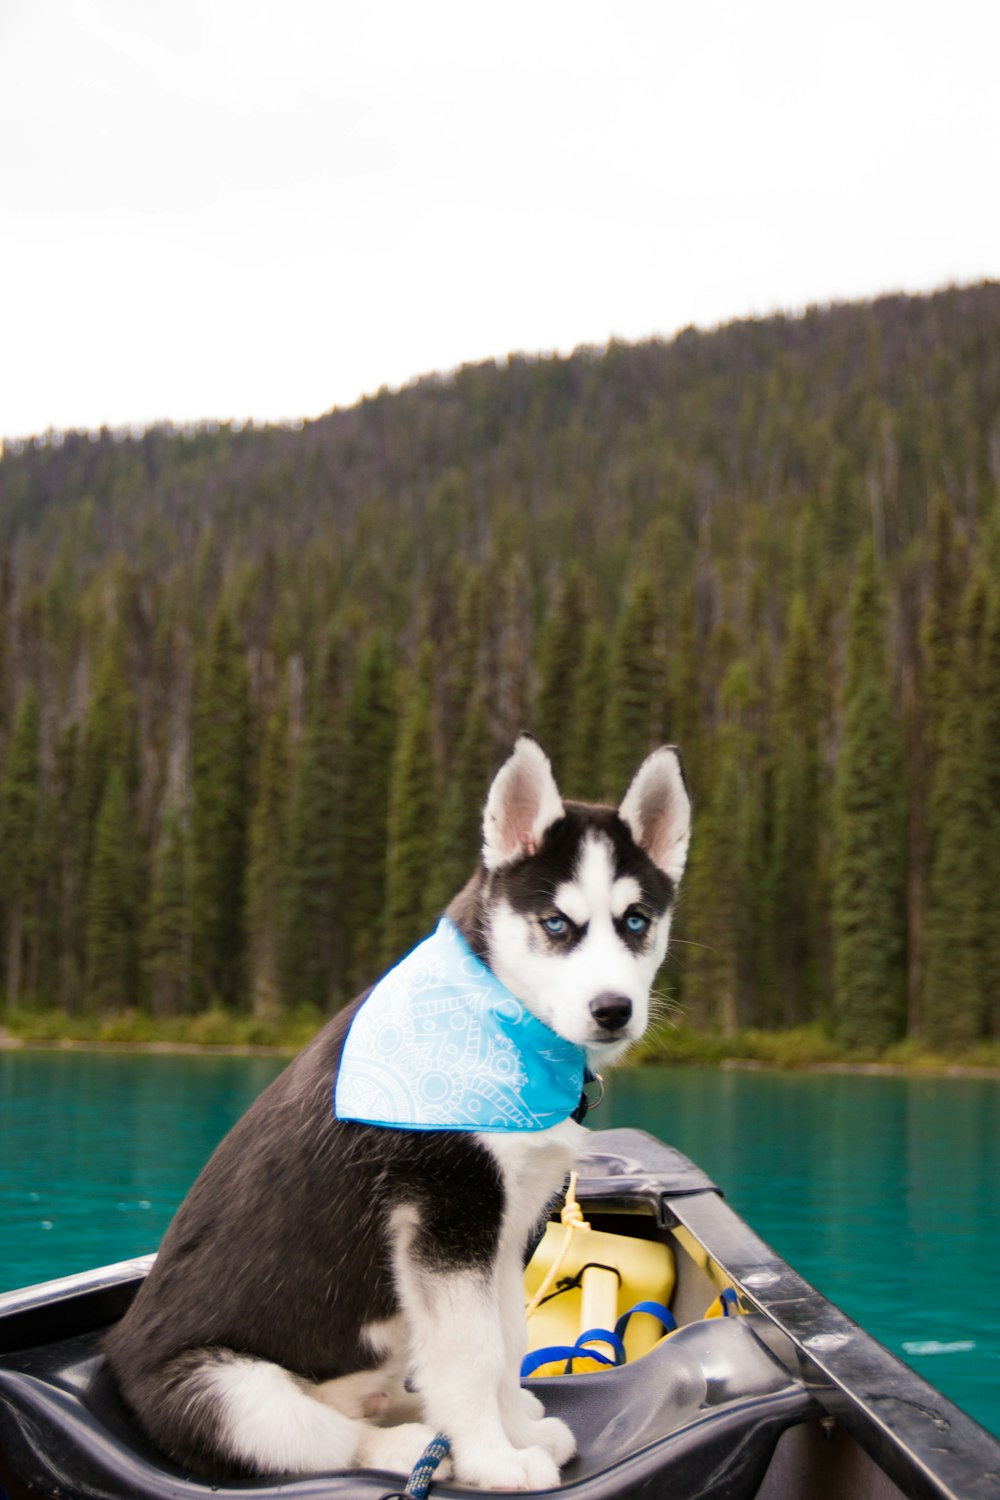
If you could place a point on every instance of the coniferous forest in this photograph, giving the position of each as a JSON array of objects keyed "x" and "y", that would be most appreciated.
[{"x": 254, "y": 681}]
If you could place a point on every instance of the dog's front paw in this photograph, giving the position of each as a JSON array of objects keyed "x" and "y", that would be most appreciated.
[
  {"x": 398, "y": 1449},
  {"x": 532, "y": 1407},
  {"x": 552, "y": 1434},
  {"x": 508, "y": 1469}
]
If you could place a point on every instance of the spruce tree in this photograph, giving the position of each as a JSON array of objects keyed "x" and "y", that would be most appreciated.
[
  {"x": 947, "y": 571},
  {"x": 110, "y": 742},
  {"x": 459, "y": 832},
  {"x": 684, "y": 728},
  {"x": 413, "y": 816},
  {"x": 19, "y": 836},
  {"x": 313, "y": 964},
  {"x": 219, "y": 791},
  {"x": 110, "y": 739},
  {"x": 370, "y": 737},
  {"x": 957, "y": 984},
  {"x": 166, "y": 941},
  {"x": 718, "y": 962},
  {"x": 111, "y": 927},
  {"x": 948, "y": 568},
  {"x": 796, "y": 885},
  {"x": 67, "y": 916},
  {"x": 990, "y": 732},
  {"x": 267, "y": 891},
  {"x": 636, "y": 702},
  {"x": 466, "y": 651},
  {"x": 559, "y": 663},
  {"x": 581, "y": 775},
  {"x": 869, "y": 827},
  {"x": 512, "y": 648}
]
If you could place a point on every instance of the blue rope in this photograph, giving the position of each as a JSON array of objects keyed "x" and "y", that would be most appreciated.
[{"x": 419, "y": 1481}]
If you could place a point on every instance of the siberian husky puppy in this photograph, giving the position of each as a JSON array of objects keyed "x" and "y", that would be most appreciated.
[{"x": 343, "y": 1282}]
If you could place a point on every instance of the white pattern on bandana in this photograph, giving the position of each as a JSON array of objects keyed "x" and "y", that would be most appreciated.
[{"x": 441, "y": 1044}]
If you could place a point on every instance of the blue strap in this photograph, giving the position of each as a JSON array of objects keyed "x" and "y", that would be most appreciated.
[
  {"x": 601, "y": 1336},
  {"x": 729, "y": 1301},
  {"x": 655, "y": 1310},
  {"x": 419, "y": 1481},
  {"x": 570, "y": 1352}
]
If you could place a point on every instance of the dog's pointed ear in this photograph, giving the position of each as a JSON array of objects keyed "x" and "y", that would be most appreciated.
[
  {"x": 523, "y": 802},
  {"x": 657, "y": 809}
]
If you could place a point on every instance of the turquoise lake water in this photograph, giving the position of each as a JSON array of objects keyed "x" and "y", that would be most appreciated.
[{"x": 883, "y": 1192}]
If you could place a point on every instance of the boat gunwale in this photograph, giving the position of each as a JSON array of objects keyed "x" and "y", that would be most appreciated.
[{"x": 925, "y": 1443}]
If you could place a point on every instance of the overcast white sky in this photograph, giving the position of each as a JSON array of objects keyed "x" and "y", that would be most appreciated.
[{"x": 215, "y": 208}]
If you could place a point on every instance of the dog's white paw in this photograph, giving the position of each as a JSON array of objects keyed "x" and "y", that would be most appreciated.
[
  {"x": 398, "y": 1449},
  {"x": 508, "y": 1469},
  {"x": 533, "y": 1408},
  {"x": 552, "y": 1434}
]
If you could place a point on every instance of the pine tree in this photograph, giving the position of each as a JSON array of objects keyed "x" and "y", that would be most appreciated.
[
  {"x": 219, "y": 790},
  {"x": 412, "y": 824},
  {"x": 460, "y": 828},
  {"x": 796, "y": 885},
  {"x": 467, "y": 649},
  {"x": 370, "y": 737},
  {"x": 584, "y": 753},
  {"x": 636, "y": 703},
  {"x": 990, "y": 731},
  {"x": 110, "y": 742},
  {"x": 869, "y": 824},
  {"x": 559, "y": 662},
  {"x": 111, "y": 933},
  {"x": 19, "y": 836},
  {"x": 957, "y": 984},
  {"x": 512, "y": 648},
  {"x": 166, "y": 944},
  {"x": 110, "y": 739},
  {"x": 719, "y": 962},
  {"x": 684, "y": 726},
  {"x": 67, "y": 921},
  {"x": 267, "y": 892},
  {"x": 313, "y": 965},
  {"x": 947, "y": 571}
]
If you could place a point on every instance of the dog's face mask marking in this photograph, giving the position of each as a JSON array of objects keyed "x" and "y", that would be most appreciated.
[{"x": 579, "y": 898}]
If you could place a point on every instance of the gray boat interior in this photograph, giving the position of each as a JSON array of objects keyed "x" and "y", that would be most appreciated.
[{"x": 730, "y": 1407}]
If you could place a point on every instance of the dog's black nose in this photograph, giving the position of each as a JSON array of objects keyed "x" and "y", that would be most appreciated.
[{"x": 611, "y": 1012}]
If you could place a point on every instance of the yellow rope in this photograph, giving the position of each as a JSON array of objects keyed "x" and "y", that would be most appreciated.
[{"x": 571, "y": 1216}]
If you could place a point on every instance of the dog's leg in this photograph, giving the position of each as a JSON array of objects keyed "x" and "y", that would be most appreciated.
[
  {"x": 460, "y": 1361},
  {"x": 258, "y": 1415},
  {"x": 523, "y": 1413}
]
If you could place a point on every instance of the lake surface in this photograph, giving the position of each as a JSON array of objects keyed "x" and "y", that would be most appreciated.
[{"x": 883, "y": 1192}]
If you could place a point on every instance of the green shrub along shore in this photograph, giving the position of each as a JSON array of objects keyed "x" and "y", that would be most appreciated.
[{"x": 802, "y": 1047}]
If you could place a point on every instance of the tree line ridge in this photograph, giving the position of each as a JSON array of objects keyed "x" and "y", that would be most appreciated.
[{"x": 253, "y": 683}]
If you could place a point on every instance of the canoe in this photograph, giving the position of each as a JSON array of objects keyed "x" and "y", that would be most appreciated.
[{"x": 784, "y": 1396}]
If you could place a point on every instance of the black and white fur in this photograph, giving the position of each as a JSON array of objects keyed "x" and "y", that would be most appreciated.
[{"x": 317, "y": 1265}]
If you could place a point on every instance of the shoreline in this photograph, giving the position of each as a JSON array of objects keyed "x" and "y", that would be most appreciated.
[
  {"x": 10, "y": 1043},
  {"x": 874, "y": 1069},
  {"x": 929, "y": 1069}
]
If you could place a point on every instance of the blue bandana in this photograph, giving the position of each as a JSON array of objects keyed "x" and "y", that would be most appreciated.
[{"x": 441, "y": 1044}]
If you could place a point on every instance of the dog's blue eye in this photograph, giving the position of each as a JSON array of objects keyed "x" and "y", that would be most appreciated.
[
  {"x": 636, "y": 923},
  {"x": 555, "y": 926}
]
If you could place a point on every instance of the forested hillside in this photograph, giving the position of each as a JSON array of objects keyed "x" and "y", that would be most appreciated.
[{"x": 254, "y": 682}]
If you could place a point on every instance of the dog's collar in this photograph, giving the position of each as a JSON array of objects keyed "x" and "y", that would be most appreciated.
[
  {"x": 586, "y": 1104},
  {"x": 441, "y": 1044}
]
